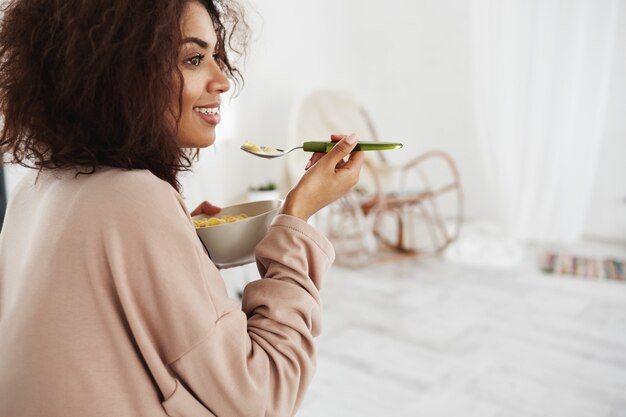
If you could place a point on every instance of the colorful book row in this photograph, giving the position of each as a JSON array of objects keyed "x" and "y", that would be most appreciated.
[{"x": 564, "y": 264}]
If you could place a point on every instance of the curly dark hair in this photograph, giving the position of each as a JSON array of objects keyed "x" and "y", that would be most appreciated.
[{"x": 87, "y": 83}]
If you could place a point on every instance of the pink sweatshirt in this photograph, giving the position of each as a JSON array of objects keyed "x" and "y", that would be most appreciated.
[{"x": 110, "y": 307}]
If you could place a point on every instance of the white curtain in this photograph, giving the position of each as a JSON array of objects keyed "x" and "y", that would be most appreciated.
[{"x": 541, "y": 72}]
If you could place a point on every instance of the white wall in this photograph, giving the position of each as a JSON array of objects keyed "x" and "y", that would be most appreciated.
[
  {"x": 607, "y": 209},
  {"x": 409, "y": 64}
]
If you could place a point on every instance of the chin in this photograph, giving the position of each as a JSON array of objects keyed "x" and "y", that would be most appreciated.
[
  {"x": 203, "y": 144},
  {"x": 197, "y": 141}
]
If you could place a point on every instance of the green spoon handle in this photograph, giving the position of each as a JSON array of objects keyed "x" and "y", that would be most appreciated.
[{"x": 325, "y": 147}]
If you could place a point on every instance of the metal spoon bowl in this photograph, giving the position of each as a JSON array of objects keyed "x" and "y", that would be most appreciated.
[{"x": 277, "y": 153}]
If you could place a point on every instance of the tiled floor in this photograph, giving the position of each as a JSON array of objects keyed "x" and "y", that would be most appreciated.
[{"x": 430, "y": 338}]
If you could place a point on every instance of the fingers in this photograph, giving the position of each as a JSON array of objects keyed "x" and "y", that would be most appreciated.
[
  {"x": 318, "y": 155},
  {"x": 332, "y": 176},
  {"x": 206, "y": 208},
  {"x": 340, "y": 165},
  {"x": 342, "y": 149},
  {"x": 355, "y": 161},
  {"x": 314, "y": 158}
]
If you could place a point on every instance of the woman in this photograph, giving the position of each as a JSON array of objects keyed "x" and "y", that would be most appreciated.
[{"x": 108, "y": 304}]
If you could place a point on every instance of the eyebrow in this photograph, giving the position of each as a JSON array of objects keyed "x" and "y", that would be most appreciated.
[{"x": 198, "y": 41}]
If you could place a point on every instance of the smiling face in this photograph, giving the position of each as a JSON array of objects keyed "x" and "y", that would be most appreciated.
[{"x": 204, "y": 80}]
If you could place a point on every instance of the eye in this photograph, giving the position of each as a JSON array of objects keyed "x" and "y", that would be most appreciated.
[{"x": 195, "y": 60}]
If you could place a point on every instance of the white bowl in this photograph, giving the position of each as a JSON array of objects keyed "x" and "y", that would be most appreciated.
[{"x": 232, "y": 244}]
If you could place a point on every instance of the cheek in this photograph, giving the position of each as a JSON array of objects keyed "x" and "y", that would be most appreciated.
[{"x": 192, "y": 91}]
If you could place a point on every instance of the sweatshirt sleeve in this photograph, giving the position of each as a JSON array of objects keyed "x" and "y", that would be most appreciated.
[{"x": 258, "y": 361}]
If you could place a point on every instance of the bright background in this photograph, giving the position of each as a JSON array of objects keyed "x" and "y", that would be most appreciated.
[{"x": 410, "y": 65}]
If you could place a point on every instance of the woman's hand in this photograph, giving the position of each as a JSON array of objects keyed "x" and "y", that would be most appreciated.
[
  {"x": 206, "y": 208},
  {"x": 327, "y": 178}
]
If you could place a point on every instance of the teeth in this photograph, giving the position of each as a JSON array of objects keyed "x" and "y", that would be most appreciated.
[{"x": 207, "y": 110}]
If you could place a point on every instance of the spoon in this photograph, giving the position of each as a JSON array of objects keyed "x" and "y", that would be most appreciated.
[{"x": 323, "y": 147}]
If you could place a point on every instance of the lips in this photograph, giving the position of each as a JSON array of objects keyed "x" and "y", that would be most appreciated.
[
  {"x": 210, "y": 114},
  {"x": 207, "y": 110}
]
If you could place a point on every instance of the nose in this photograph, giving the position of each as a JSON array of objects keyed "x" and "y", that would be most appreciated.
[{"x": 218, "y": 83}]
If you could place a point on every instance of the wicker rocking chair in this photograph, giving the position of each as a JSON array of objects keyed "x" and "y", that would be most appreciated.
[{"x": 411, "y": 209}]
